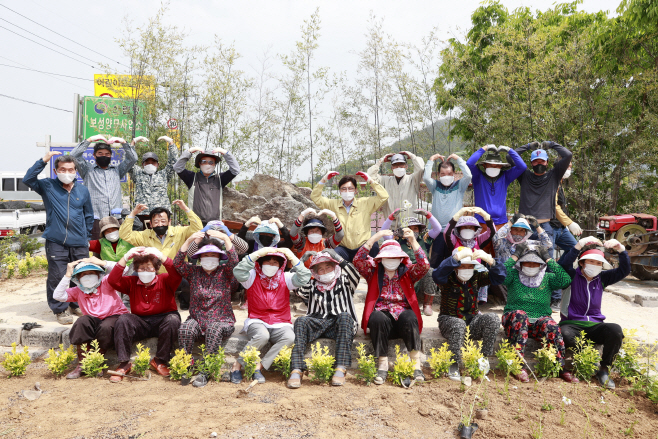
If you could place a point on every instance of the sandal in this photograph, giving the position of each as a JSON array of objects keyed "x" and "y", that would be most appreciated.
[
  {"x": 295, "y": 380},
  {"x": 523, "y": 376},
  {"x": 381, "y": 377}
]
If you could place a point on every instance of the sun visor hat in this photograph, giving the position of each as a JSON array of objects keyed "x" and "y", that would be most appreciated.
[
  {"x": 210, "y": 249},
  {"x": 522, "y": 223},
  {"x": 596, "y": 255}
]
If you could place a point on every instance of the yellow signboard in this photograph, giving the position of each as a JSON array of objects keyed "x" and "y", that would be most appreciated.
[{"x": 123, "y": 86}]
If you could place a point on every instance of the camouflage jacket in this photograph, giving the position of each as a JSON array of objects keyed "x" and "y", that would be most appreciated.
[{"x": 152, "y": 189}]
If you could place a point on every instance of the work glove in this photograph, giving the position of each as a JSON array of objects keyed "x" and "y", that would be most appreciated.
[
  {"x": 543, "y": 253},
  {"x": 276, "y": 221},
  {"x": 306, "y": 256},
  {"x": 503, "y": 148},
  {"x": 167, "y": 139},
  {"x": 394, "y": 215},
  {"x": 333, "y": 254},
  {"x": 261, "y": 252},
  {"x": 463, "y": 253},
  {"x": 484, "y": 256},
  {"x": 329, "y": 213},
  {"x": 252, "y": 220},
  {"x": 329, "y": 176},
  {"x": 155, "y": 252},
  {"x": 516, "y": 217},
  {"x": 520, "y": 250},
  {"x": 575, "y": 229},
  {"x": 423, "y": 212},
  {"x": 533, "y": 145},
  {"x": 547, "y": 144},
  {"x": 306, "y": 212},
  {"x": 613, "y": 244},
  {"x": 139, "y": 139},
  {"x": 219, "y": 151},
  {"x": 112, "y": 140},
  {"x": 589, "y": 240},
  {"x": 481, "y": 212},
  {"x": 363, "y": 175},
  {"x": 133, "y": 252},
  {"x": 532, "y": 221},
  {"x": 97, "y": 138},
  {"x": 461, "y": 212}
]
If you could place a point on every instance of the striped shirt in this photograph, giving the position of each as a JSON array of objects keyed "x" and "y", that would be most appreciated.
[
  {"x": 104, "y": 184},
  {"x": 239, "y": 244},
  {"x": 331, "y": 303}
]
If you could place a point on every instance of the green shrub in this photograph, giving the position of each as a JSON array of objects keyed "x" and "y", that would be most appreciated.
[
  {"x": 472, "y": 356},
  {"x": 58, "y": 361},
  {"x": 93, "y": 362},
  {"x": 547, "y": 363},
  {"x": 283, "y": 360},
  {"x": 16, "y": 362},
  {"x": 211, "y": 364},
  {"x": 251, "y": 357},
  {"x": 403, "y": 368},
  {"x": 179, "y": 365},
  {"x": 321, "y": 364},
  {"x": 627, "y": 361},
  {"x": 508, "y": 359},
  {"x": 142, "y": 360},
  {"x": 585, "y": 358},
  {"x": 440, "y": 360},
  {"x": 367, "y": 367}
]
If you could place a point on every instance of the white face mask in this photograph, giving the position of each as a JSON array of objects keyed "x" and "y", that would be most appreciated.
[
  {"x": 399, "y": 172},
  {"x": 314, "y": 238},
  {"x": 112, "y": 237},
  {"x": 517, "y": 238},
  {"x": 65, "y": 177},
  {"x": 347, "y": 196},
  {"x": 592, "y": 270},
  {"x": 493, "y": 172},
  {"x": 464, "y": 274},
  {"x": 146, "y": 276},
  {"x": 209, "y": 263},
  {"x": 391, "y": 264},
  {"x": 326, "y": 278},
  {"x": 269, "y": 270},
  {"x": 150, "y": 169},
  {"x": 467, "y": 233},
  {"x": 530, "y": 271},
  {"x": 207, "y": 169},
  {"x": 567, "y": 174},
  {"x": 89, "y": 281},
  {"x": 447, "y": 180}
]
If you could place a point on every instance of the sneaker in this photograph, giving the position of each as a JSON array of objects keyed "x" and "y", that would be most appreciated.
[
  {"x": 258, "y": 376},
  {"x": 555, "y": 306},
  {"x": 236, "y": 376},
  {"x": 604, "y": 378},
  {"x": 453, "y": 373},
  {"x": 381, "y": 377},
  {"x": 75, "y": 311},
  {"x": 200, "y": 380},
  {"x": 427, "y": 310},
  {"x": 295, "y": 380},
  {"x": 418, "y": 375},
  {"x": 523, "y": 376},
  {"x": 64, "y": 318},
  {"x": 75, "y": 373},
  {"x": 569, "y": 377}
]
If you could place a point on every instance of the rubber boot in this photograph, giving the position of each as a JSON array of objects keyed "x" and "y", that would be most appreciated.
[
  {"x": 427, "y": 304},
  {"x": 77, "y": 372}
]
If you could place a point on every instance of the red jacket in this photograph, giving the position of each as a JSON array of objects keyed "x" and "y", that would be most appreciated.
[
  {"x": 373, "y": 295},
  {"x": 157, "y": 298},
  {"x": 270, "y": 306}
]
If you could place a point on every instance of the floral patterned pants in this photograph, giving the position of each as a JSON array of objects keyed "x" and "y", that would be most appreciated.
[{"x": 518, "y": 328}]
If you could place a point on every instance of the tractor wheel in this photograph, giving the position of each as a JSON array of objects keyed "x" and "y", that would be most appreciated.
[
  {"x": 627, "y": 236},
  {"x": 643, "y": 272}
]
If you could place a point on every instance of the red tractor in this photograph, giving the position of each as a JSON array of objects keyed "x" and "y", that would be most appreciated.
[{"x": 638, "y": 232}]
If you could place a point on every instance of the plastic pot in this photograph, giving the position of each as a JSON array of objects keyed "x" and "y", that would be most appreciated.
[
  {"x": 185, "y": 380},
  {"x": 466, "y": 431}
]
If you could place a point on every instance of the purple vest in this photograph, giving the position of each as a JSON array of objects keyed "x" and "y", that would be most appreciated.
[{"x": 585, "y": 301}]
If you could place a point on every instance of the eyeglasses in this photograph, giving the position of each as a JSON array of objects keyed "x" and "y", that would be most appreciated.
[{"x": 208, "y": 162}]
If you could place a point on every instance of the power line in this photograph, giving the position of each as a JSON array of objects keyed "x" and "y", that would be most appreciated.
[
  {"x": 36, "y": 42},
  {"x": 50, "y": 42},
  {"x": 46, "y": 73},
  {"x": 57, "y": 33},
  {"x": 54, "y": 77},
  {"x": 35, "y": 103}
]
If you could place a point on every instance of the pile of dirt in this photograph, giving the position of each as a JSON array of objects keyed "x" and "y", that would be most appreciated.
[{"x": 160, "y": 408}]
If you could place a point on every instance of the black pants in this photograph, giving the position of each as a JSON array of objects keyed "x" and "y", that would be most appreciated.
[
  {"x": 348, "y": 253},
  {"x": 130, "y": 328},
  {"x": 383, "y": 327},
  {"x": 184, "y": 296},
  {"x": 58, "y": 257},
  {"x": 609, "y": 335},
  {"x": 88, "y": 328}
]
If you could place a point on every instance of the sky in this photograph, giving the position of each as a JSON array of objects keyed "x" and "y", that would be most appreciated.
[{"x": 254, "y": 26}]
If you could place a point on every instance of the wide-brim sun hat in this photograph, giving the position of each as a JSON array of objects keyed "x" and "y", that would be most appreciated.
[
  {"x": 522, "y": 223},
  {"x": 391, "y": 249},
  {"x": 210, "y": 249},
  {"x": 413, "y": 221},
  {"x": 468, "y": 221},
  {"x": 86, "y": 266},
  {"x": 595, "y": 255},
  {"x": 314, "y": 222},
  {"x": 531, "y": 256},
  {"x": 199, "y": 156},
  {"x": 321, "y": 257},
  {"x": 493, "y": 157}
]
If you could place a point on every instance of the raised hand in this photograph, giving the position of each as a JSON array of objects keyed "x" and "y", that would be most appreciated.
[
  {"x": 503, "y": 148},
  {"x": 532, "y": 221},
  {"x": 520, "y": 250},
  {"x": 547, "y": 144},
  {"x": 70, "y": 266},
  {"x": 181, "y": 205},
  {"x": 423, "y": 212},
  {"x": 167, "y": 139},
  {"x": 97, "y": 138},
  {"x": 363, "y": 175},
  {"x": 195, "y": 149},
  {"x": 543, "y": 252},
  {"x": 394, "y": 215},
  {"x": 329, "y": 176},
  {"x": 463, "y": 253},
  {"x": 575, "y": 229},
  {"x": 408, "y": 234},
  {"x": 50, "y": 155},
  {"x": 516, "y": 217},
  {"x": 589, "y": 240},
  {"x": 486, "y": 257},
  {"x": 217, "y": 234},
  {"x": 488, "y": 147},
  {"x": 306, "y": 212},
  {"x": 276, "y": 221},
  {"x": 139, "y": 209},
  {"x": 437, "y": 156},
  {"x": 252, "y": 220},
  {"x": 329, "y": 213},
  {"x": 112, "y": 140},
  {"x": 533, "y": 145},
  {"x": 139, "y": 139},
  {"x": 306, "y": 256},
  {"x": 155, "y": 252},
  {"x": 133, "y": 252},
  {"x": 221, "y": 151},
  {"x": 461, "y": 212},
  {"x": 387, "y": 158},
  {"x": 485, "y": 216},
  {"x": 613, "y": 244},
  {"x": 453, "y": 157},
  {"x": 197, "y": 237}
]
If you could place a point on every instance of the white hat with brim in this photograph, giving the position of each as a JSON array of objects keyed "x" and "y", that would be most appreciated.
[{"x": 595, "y": 255}]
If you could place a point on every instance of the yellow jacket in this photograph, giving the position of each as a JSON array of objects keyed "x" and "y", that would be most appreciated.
[
  {"x": 176, "y": 236},
  {"x": 560, "y": 215},
  {"x": 357, "y": 223}
]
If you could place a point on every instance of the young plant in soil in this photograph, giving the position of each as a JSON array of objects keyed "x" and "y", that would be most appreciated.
[
  {"x": 283, "y": 360},
  {"x": 547, "y": 364},
  {"x": 508, "y": 360},
  {"x": 440, "y": 360},
  {"x": 466, "y": 416},
  {"x": 403, "y": 368},
  {"x": 179, "y": 365},
  {"x": 58, "y": 361},
  {"x": 142, "y": 360},
  {"x": 212, "y": 364},
  {"x": 537, "y": 429},
  {"x": 16, "y": 362},
  {"x": 93, "y": 363},
  {"x": 251, "y": 358},
  {"x": 585, "y": 358},
  {"x": 630, "y": 431},
  {"x": 367, "y": 367},
  {"x": 627, "y": 360},
  {"x": 472, "y": 356},
  {"x": 321, "y": 364}
]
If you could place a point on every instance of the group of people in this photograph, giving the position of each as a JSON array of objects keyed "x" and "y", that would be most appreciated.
[{"x": 450, "y": 251}]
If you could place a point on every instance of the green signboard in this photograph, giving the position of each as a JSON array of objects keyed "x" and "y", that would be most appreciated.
[{"x": 112, "y": 117}]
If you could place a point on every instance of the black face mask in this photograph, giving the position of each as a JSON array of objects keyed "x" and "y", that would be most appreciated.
[
  {"x": 266, "y": 240},
  {"x": 103, "y": 161},
  {"x": 160, "y": 230},
  {"x": 539, "y": 169}
]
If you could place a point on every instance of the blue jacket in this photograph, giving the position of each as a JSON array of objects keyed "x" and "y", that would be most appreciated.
[{"x": 69, "y": 215}]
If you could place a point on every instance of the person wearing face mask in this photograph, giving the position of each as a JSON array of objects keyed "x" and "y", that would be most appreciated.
[
  {"x": 491, "y": 178},
  {"x": 69, "y": 221},
  {"x": 517, "y": 231},
  {"x": 103, "y": 178},
  {"x": 425, "y": 288},
  {"x": 152, "y": 304},
  {"x": 400, "y": 186},
  {"x": 99, "y": 302},
  {"x": 150, "y": 181},
  {"x": 162, "y": 235},
  {"x": 205, "y": 186},
  {"x": 268, "y": 285},
  {"x": 109, "y": 247},
  {"x": 528, "y": 310},
  {"x": 581, "y": 308},
  {"x": 268, "y": 233},
  {"x": 211, "y": 314},
  {"x": 311, "y": 238},
  {"x": 459, "y": 284},
  {"x": 391, "y": 309},
  {"x": 447, "y": 192},
  {"x": 354, "y": 213},
  {"x": 331, "y": 314}
]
